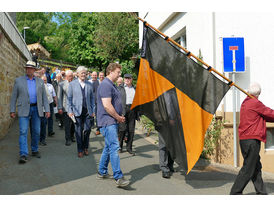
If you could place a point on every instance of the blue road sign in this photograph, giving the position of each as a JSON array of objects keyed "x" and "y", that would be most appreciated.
[{"x": 234, "y": 45}]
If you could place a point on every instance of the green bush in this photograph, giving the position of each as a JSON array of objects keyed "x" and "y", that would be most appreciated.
[
  {"x": 212, "y": 136},
  {"x": 147, "y": 124}
]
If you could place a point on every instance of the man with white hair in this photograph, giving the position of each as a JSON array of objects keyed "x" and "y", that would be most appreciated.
[
  {"x": 252, "y": 131},
  {"x": 62, "y": 95},
  {"x": 81, "y": 106}
]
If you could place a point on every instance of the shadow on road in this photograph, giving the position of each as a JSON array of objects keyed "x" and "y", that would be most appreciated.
[{"x": 58, "y": 164}]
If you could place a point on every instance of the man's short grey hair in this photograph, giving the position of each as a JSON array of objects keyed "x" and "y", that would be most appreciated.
[
  {"x": 254, "y": 89},
  {"x": 81, "y": 68},
  {"x": 68, "y": 72}
]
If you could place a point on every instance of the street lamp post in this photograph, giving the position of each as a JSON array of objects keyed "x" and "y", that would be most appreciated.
[{"x": 25, "y": 32}]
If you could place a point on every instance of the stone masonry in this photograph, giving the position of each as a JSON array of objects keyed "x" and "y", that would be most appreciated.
[{"x": 11, "y": 66}]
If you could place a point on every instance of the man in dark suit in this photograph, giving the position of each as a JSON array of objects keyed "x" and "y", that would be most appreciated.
[
  {"x": 81, "y": 106},
  {"x": 95, "y": 84},
  {"x": 62, "y": 95},
  {"x": 30, "y": 94}
]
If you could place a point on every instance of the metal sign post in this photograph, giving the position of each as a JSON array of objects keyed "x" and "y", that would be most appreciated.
[
  {"x": 234, "y": 48},
  {"x": 230, "y": 47}
]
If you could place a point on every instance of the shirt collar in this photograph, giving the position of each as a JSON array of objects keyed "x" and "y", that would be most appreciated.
[
  {"x": 81, "y": 81},
  {"x": 128, "y": 86},
  {"x": 107, "y": 79},
  {"x": 29, "y": 79}
]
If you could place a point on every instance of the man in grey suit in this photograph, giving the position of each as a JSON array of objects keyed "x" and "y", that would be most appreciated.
[
  {"x": 62, "y": 95},
  {"x": 30, "y": 94},
  {"x": 81, "y": 105}
]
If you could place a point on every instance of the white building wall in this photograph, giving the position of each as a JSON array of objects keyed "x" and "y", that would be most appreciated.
[
  {"x": 258, "y": 31},
  {"x": 205, "y": 30}
]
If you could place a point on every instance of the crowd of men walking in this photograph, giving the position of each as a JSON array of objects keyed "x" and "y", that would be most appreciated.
[{"x": 79, "y": 102}]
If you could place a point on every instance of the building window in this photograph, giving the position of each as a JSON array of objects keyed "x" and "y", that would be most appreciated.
[
  {"x": 180, "y": 37},
  {"x": 182, "y": 41},
  {"x": 269, "y": 145}
]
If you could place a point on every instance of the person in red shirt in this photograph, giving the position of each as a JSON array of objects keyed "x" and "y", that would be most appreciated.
[{"x": 252, "y": 131}]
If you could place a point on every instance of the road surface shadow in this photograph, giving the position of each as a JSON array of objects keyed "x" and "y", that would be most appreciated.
[{"x": 58, "y": 164}]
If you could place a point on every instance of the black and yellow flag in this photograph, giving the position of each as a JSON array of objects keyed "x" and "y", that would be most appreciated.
[{"x": 178, "y": 95}]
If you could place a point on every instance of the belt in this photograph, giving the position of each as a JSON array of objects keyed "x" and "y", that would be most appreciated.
[{"x": 34, "y": 104}]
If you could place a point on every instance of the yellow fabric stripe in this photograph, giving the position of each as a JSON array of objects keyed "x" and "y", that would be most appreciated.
[
  {"x": 195, "y": 122},
  {"x": 150, "y": 85}
]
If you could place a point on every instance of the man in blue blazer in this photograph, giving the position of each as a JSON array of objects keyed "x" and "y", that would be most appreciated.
[{"x": 81, "y": 106}]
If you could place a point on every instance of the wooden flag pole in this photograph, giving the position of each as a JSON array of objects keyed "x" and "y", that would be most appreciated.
[{"x": 189, "y": 54}]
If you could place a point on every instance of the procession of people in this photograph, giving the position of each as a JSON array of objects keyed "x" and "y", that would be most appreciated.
[
  {"x": 84, "y": 102},
  {"x": 81, "y": 103}
]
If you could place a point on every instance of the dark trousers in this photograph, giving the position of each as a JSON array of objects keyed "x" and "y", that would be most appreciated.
[
  {"x": 251, "y": 169},
  {"x": 60, "y": 119},
  {"x": 50, "y": 119},
  {"x": 69, "y": 127},
  {"x": 82, "y": 129},
  {"x": 43, "y": 130},
  {"x": 165, "y": 161},
  {"x": 128, "y": 129}
]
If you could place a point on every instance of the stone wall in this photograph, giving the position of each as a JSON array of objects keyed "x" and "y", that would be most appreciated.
[{"x": 12, "y": 63}]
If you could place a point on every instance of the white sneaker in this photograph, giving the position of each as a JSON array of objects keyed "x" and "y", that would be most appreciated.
[{"x": 122, "y": 182}]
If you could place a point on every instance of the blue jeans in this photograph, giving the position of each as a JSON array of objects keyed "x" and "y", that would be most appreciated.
[
  {"x": 110, "y": 152},
  {"x": 35, "y": 127}
]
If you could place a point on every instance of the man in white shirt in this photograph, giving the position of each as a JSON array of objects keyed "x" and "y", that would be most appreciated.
[
  {"x": 130, "y": 115},
  {"x": 51, "y": 95}
]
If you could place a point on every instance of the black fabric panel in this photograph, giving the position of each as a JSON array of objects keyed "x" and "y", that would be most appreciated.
[
  {"x": 187, "y": 75},
  {"x": 165, "y": 114}
]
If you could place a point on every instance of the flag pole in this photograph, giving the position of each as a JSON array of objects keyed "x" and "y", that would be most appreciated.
[{"x": 189, "y": 54}]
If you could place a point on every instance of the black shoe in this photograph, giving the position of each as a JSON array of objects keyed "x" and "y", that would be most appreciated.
[
  {"x": 131, "y": 152},
  {"x": 51, "y": 134},
  {"x": 73, "y": 139},
  {"x": 261, "y": 193},
  {"x": 68, "y": 143},
  {"x": 171, "y": 169},
  {"x": 166, "y": 175},
  {"x": 36, "y": 154},
  {"x": 43, "y": 143},
  {"x": 23, "y": 159}
]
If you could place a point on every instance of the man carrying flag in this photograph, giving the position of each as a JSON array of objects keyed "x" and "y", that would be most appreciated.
[{"x": 164, "y": 69}]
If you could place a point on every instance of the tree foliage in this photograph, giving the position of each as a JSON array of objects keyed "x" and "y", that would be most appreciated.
[
  {"x": 117, "y": 36},
  {"x": 90, "y": 39},
  {"x": 82, "y": 46},
  {"x": 40, "y": 25}
]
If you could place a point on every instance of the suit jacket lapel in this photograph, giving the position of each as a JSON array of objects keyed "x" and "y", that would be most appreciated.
[
  {"x": 79, "y": 87},
  {"x": 86, "y": 89},
  {"x": 25, "y": 85}
]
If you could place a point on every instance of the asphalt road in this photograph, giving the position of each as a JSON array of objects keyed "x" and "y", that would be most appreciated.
[{"x": 61, "y": 172}]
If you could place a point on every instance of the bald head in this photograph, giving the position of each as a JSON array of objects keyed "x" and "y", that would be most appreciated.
[
  {"x": 120, "y": 81},
  {"x": 94, "y": 76},
  {"x": 44, "y": 78},
  {"x": 69, "y": 75}
]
